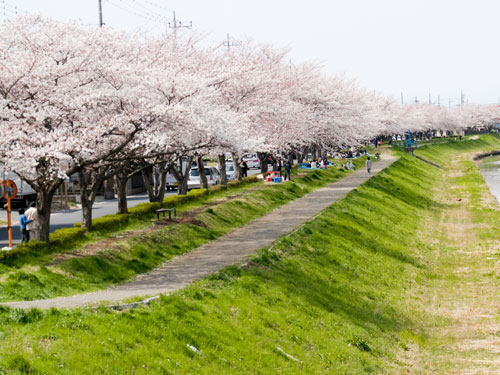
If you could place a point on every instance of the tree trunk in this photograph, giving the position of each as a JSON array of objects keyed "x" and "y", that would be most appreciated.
[
  {"x": 222, "y": 164},
  {"x": 263, "y": 161},
  {"x": 156, "y": 191},
  {"x": 93, "y": 179},
  {"x": 201, "y": 171},
  {"x": 84, "y": 181},
  {"x": 182, "y": 176},
  {"x": 275, "y": 163},
  {"x": 109, "y": 191},
  {"x": 314, "y": 153},
  {"x": 237, "y": 166},
  {"x": 300, "y": 157},
  {"x": 43, "y": 204},
  {"x": 86, "y": 214},
  {"x": 121, "y": 189},
  {"x": 146, "y": 178}
]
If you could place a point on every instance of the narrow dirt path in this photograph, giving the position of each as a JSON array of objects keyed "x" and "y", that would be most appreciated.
[
  {"x": 459, "y": 306},
  {"x": 216, "y": 255}
]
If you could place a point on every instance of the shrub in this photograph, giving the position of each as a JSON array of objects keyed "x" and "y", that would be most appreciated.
[
  {"x": 193, "y": 195},
  {"x": 29, "y": 248},
  {"x": 64, "y": 235},
  {"x": 109, "y": 221},
  {"x": 245, "y": 181},
  {"x": 142, "y": 209}
]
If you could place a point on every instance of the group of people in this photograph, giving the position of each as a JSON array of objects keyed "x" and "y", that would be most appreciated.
[
  {"x": 278, "y": 166},
  {"x": 349, "y": 154},
  {"x": 321, "y": 163},
  {"x": 28, "y": 222}
]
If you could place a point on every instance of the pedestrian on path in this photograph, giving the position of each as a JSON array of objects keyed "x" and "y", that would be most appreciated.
[
  {"x": 22, "y": 223},
  {"x": 288, "y": 170},
  {"x": 32, "y": 214},
  {"x": 244, "y": 169},
  {"x": 369, "y": 165}
]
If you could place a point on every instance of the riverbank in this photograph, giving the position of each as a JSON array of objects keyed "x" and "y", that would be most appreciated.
[
  {"x": 456, "y": 303},
  {"x": 347, "y": 293}
]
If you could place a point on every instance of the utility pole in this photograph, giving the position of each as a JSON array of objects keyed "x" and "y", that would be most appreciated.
[
  {"x": 402, "y": 101},
  {"x": 178, "y": 24},
  {"x": 100, "y": 14},
  {"x": 230, "y": 44},
  {"x": 430, "y": 102},
  {"x": 462, "y": 98}
]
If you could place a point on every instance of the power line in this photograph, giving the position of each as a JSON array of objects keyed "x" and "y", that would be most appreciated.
[
  {"x": 132, "y": 10},
  {"x": 10, "y": 10},
  {"x": 154, "y": 10},
  {"x": 132, "y": 4},
  {"x": 155, "y": 4}
]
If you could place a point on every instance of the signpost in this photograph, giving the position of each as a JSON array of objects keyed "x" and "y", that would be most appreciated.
[{"x": 8, "y": 191}]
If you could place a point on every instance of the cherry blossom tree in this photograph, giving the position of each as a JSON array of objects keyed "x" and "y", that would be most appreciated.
[{"x": 63, "y": 105}]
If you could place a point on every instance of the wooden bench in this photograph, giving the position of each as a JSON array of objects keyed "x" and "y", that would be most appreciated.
[{"x": 164, "y": 210}]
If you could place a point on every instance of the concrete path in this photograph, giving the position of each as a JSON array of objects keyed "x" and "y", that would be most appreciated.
[{"x": 218, "y": 254}]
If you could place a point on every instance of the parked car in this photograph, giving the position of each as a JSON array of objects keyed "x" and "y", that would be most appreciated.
[
  {"x": 213, "y": 177},
  {"x": 252, "y": 161},
  {"x": 229, "y": 171},
  {"x": 172, "y": 183}
]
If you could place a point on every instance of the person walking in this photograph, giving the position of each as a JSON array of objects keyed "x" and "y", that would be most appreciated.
[
  {"x": 369, "y": 165},
  {"x": 32, "y": 214},
  {"x": 288, "y": 170},
  {"x": 244, "y": 169},
  {"x": 22, "y": 223}
]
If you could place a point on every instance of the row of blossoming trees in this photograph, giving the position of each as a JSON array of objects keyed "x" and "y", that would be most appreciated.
[{"x": 104, "y": 105}]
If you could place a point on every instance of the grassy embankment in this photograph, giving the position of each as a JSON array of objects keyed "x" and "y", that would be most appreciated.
[
  {"x": 138, "y": 246},
  {"x": 455, "y": 303},
  {"x": 338, "y": 295}
]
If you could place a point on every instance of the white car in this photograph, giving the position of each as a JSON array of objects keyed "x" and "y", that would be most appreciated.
[
  {"x": 171, "y": 182},
  {"x": 252, "y": 161},
  {"x": 230, "y": 171},
  {"x": 212, "y": 174}
]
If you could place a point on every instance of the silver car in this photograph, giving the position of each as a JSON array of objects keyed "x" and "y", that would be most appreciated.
[
  {"x": 252, "y": 161},
  {"x": 230, "y": 171},
  {"x": 212, "y": 174}
]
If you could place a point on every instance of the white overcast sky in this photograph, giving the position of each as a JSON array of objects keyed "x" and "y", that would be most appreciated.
[{"x": 412, "y": 46}]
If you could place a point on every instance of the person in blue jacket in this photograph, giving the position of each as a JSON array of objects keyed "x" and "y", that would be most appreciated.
[{"x": 23, "y": 222}]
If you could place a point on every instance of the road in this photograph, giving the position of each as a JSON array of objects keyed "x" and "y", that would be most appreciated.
[{"x": 66, "y": 219}]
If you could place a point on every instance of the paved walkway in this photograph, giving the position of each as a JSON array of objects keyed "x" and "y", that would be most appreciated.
[{"x": 218, "y": 254}]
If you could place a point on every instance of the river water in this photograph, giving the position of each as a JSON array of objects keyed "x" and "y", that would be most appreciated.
[{"x": 490, "y": 169}]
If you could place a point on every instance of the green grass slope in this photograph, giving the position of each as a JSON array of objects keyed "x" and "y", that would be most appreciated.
[
  {"x": 40, "y": 275},
  {"x": 328, "y": 298}
]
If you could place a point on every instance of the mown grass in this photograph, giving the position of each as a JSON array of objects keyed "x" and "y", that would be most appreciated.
[
  {"x": 37, "y": 277},
  {"x": 330, "y": 295},
  {"x": 456, "y": 302}
]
